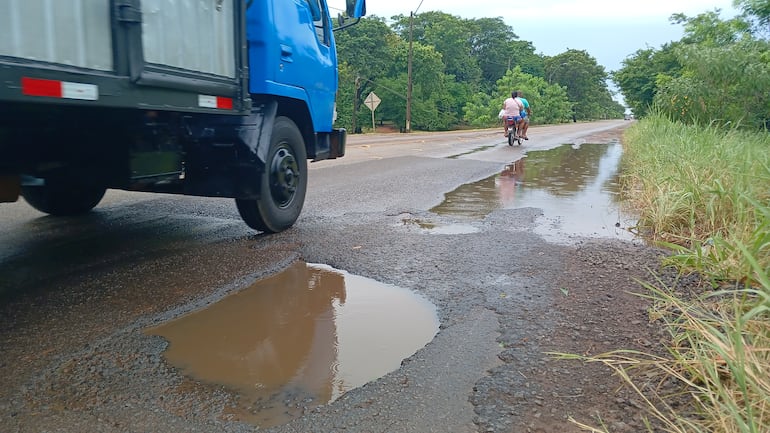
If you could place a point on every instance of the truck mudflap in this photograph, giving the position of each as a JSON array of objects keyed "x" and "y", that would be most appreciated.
[
  {"x": 337, "y": 143},
  {"x": 10, "y": 188},
  {"x": 328, "y": 145}
]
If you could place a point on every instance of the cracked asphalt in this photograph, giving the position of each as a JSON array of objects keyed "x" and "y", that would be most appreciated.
[{"x": 77, "y": 293}]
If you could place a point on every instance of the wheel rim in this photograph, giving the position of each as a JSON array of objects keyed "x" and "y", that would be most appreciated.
[{"x": 284, "y": 176}]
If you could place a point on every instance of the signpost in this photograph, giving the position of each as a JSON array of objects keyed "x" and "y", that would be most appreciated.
[{"x": 372, "y": 101}]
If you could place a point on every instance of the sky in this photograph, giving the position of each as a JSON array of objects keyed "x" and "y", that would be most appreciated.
[{"x": 609, "y": 30}]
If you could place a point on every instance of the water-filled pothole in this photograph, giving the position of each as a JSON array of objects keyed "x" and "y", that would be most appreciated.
[
  {"x": 299, "y": 339},
  {"x": 576, "y": 187}
]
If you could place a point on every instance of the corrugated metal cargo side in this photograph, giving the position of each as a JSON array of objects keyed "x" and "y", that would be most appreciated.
[
  {"x": 68, "y": 32},
  {"x": 195, "y": 35},
  {"x": 150, "y": 54}
]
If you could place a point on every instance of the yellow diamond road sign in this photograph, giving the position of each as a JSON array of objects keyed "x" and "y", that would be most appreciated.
[{"x": 372, "y": 101}]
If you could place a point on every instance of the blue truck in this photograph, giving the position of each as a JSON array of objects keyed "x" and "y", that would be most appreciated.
[{"x": 216, "y": 98}]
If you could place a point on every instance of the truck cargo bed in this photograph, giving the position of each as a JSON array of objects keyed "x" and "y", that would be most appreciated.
[{"x": 183, "y": 55}]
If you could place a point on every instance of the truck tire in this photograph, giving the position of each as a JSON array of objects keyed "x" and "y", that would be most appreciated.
[
  {"x": 62, "y": 200},
  {"x": 283, "y": 183}
]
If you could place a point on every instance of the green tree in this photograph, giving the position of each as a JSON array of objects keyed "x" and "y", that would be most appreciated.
[
  {"x": 523, "y": 55},
  {"x": 456, "y": 63},
  {"x": 708, "y": 29},
  {"x": 364, "y": 47},
  {"x": 497, "y": 49},
  {"x": 481, "y": 110},
  {"x": 584, "y": 79},
  {"x": 723, "y": 74},
  {"x": 728, "y": 84},
  {"x": 640, "y": 74},
  {"x": 490, "y": 46},
  {"x": 432, "y": 101},
  {"x": 645, "y": 73},
  {"x": 345, "y": 96},
  {"x": 758, "y": 12},
  {"x": 549, "y": 102},
  {"x": 366, "y": 52},
  {"x": 449, "y": 35}
]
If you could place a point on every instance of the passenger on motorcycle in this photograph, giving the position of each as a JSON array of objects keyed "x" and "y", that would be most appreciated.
[
  {"x": 526, "y": 113},
  {"x": 513, "y": 108}
]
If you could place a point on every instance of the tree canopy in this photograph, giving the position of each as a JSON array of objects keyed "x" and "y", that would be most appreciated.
[
  {"x": 585, "y": 81},
  {"x": 718, "y": 72}
]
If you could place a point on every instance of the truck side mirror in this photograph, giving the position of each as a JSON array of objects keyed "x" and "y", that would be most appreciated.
[{"x": 355, "y": 8}]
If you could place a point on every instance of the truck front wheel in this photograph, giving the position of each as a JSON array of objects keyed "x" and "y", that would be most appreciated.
[
  {"x": 283, "y": 183},
  {"x": 60, "y": 200}
]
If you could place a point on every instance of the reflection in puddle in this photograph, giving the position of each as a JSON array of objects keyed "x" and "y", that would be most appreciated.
[
  {"x": 299, "y": 339},
  {"x": 575, "y": 186}
]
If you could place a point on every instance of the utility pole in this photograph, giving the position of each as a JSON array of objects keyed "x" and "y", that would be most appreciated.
[
  {"x": 408, "y": 127},
  {"x": 409, "y": 72}
]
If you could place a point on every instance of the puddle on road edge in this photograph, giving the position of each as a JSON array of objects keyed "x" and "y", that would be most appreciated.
[
  {"x": 577, "y": 188},
  {"x": 299, "y": 339}
]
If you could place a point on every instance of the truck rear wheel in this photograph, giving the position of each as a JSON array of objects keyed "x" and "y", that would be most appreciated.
[
  {"x": 283, "y": 183},
  {"x": 60, "y": 200}
]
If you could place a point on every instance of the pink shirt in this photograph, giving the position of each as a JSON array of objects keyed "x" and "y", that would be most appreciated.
[{"x": 512, "y": 107}]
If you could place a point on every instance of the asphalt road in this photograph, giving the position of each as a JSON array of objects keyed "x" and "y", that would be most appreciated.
[{"x": 76, "y": 293}]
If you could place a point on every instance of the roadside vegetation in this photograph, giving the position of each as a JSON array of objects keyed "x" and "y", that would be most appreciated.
[
  {"x": 704, "y": 192},
  {"x": 697, "y": 168},
  {"x": 462, "y": 70}
]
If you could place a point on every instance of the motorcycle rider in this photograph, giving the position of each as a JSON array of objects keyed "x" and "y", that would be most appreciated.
[{"x": 512, "y": 108}]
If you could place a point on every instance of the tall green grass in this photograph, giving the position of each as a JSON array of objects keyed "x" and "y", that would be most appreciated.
[{"x": 704, "y": 193}]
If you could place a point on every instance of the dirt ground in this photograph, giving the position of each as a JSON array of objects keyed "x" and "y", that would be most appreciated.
[{"x": 598, "y": 310}]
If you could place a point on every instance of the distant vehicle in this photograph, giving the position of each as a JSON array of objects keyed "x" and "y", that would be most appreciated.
[
  {"x": 628, "y": 117},
  {"x": 219, "y": 98}
]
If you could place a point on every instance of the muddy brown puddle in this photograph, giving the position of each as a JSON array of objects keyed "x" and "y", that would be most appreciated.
[
  {"x": 576, "y": 187},
  {"x": 299, "y": 339}
]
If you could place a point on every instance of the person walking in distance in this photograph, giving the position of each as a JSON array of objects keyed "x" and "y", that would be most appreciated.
[
  {"x": 513, "y": 109},
  {"x": 526, "y": 113}
]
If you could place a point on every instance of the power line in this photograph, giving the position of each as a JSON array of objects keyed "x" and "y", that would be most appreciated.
[
  {"x": 418, "y": 7},
  {"x": 384, "y": 87}
]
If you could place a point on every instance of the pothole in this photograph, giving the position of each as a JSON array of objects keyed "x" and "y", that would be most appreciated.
[{"x": 299, "y": 339}]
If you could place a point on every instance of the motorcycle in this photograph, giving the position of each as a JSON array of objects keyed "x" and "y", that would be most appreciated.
[{"x": 513, "y": 132}]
